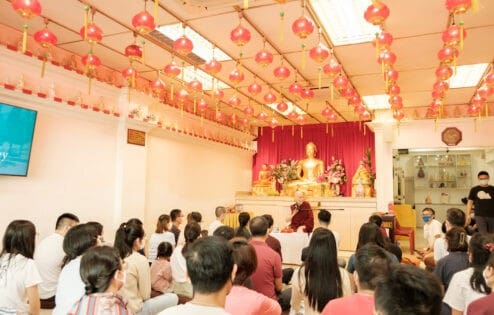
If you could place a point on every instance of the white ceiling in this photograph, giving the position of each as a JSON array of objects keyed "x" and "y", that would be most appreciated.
[{"x": 415, "y": 25}]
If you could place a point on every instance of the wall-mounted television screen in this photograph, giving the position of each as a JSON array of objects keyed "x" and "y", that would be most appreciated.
[{"x": 16, "y": 137}]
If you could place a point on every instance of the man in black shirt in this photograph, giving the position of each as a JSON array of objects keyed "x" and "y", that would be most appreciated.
[{"x": 481, "y": 197}]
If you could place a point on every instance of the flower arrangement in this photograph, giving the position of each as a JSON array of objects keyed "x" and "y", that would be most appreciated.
[
  {"x": 336, "y": 172},
  {"x": 285, "y": 171},
  {"x": 367, "y": 161}
]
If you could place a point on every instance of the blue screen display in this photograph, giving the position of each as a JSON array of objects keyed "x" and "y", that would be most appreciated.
[{"x": 16, "y": 136}]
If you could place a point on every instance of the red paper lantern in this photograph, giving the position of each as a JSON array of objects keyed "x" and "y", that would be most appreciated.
[
  {"x": 478, "y": 100},
  {"x": 254, "y": 88},
  {"x": 301, "y": 119},
  {"x": 143, "y": 22},
  {"x": 458, "y": 6},
  {"x": 273, "y": 123},
  {"x": 182, "y": 95},
  {"x": 157, "y": 87},
  {"x": 303, "y": 27},
  {"x": 453, "y": 35},
  {"x": 130, "y": 75},
  {"x": 437, "y": 94},
  {"x": 359, "y": 109},
  {"x": 392, "y": 75},
  {"x": 94, "y": 34},
  {"x": 183, "y": 46},
  {"x": 395, "y": 99},
  {"x": 219, "y": 116},
  {"x": 307, "y": 93},
  {"x": 91, "y": 62},
  {"x": 236, "y": 76},
  {"x": 365, "y": 116},
  {"x": 202, "y": 105},
  {"x": 281, "y": 72},
  {"x": 387, "y": 57},
  {"x": 340, "y": 82},
  {"x": 213, "y": 66},
  {"x": 383, "y": 41},
  {"x": 398, "y": 115},
  {"x": 441, "y": 86},
  {"x": 249, "y": 111},
  {"x": 489, "y": 78},
  {"x": 432, "y": 112},
  {"x": 27, "y": 8},
  {"x": 269, "y": 98},
  {"x": 262, "y": 116},
  {"x": 376, "y": 13},
  {"x": 244, "y": 121},
  {"x": 354, "y": 100},
  {"x": 332, "y": 117},
  {"x": 326, "y": 112},
  {"x": 332, "y": 68},
  {"x": 293, "y": 114},
  {"x": 295, "y": 88},
  {"x": 264, "y": 58},
  {"x": 234, "y": 101},
  {"x": 473, "y": 110},
  {"x": 240, "y": 35},
  {"x": 348, "y": 92},
  {"x": 133, "y": 52},
  {"x": 485, "y": 91},
  {"x": 282, "y": 107},
  {"x": 319, "y": 53},
  {"x": 394, "y": 89},
  {"x": 195, "y": 85},
  {"x": 45, "y": 38},
  {"x": 172, "y": 70},
  {"x": 219, "y": 94},
  {"x": 444, "y": 72},
  {"x": 447, "y": 54}
]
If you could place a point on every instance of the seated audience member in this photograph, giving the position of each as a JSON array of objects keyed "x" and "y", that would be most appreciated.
[
  {"x": 484, "y": 305},
  {"x": 211, "y": 267},
  {"x": 454, "y": 217},
  {"x": 378, "y": 220},
  {"x": 48, "y": 257},
  {"x": 275, "y": 244},
  {"x": 161, "y": 270},
  {"x": 432, "y": 229},
  {"x": 70, "y": 287},
  {"x": 319, "y": 279},
  {"x": 98, "y": 227},
  {"x": 129, "y": 239},
  {"x": 324, "y": 219},
  {"x": 243, "y": 221},
  {"x": 225, "y": 232},
  {"x": 267, "y": 277},
  {"x": 301, "y": 218},
  {"x": 371, "y": 263},
  {"x": 242, "y": 300},
  {"x": 388, "y": 245},
  {"x": 193, "y": 217},
  {"x": 161, "y": 234},
  {"x": 408, "y": 290},
  {"x": 220, "y": 213},
  {"x": 469, "y": 285},
  {"x": 176, "y": 216},
  {"x": 19, "y": 276},
  {"x": 103, "y": 275},
  {"x": 369, "y": 233},
  {"x": 181, "y": 285},
  {"x": 456, "y": 260}
]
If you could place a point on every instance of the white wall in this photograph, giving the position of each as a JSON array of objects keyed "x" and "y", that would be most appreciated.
[{"x": 192, "y": 175}]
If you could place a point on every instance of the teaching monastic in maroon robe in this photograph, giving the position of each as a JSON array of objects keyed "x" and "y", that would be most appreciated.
[{"x": 304, "y": 216}]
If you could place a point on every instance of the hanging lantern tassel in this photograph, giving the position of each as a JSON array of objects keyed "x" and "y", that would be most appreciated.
[
  {"x": 365, "y": 130},
  {"x": 475, "y": 6},
  {"x": 143, "y": 58},
  {"x": 246, "y": 4},
  {"x": 360, "y": 125},
  {"x": 43, "y": 65},
  {"x": 332, "y": 91},
  {"x": 454, "y": 63},
  {"x": 90, "y": 83},
  {"x": 480, "y": 115},
  {"x": 156, "y": 6},
  {"x": 24, "y": 37},
  {"x": 386, "y": 81},
  {"x": 272, "y": 134},
  {"x": 435, "y": 124},
  {"x": 461, "y": 35},
  {"x": 195, "y": 105},
  {"x": 382, "y": 65},
  {"x": 303, "y": 56},
  {"x": 172, "y": 88},
  {"x": 327, "y": 128},
  {"x": 319, "y": 77},
  {"x": 86, "y": 20},
  {"x": 332, "y": 131},
  {"x": 182, "y": 109},
  {"x": 202, "y": 120},
  {"x": 301, "y": 132},
  {"x": 262, "y": 131},
  {"x": 377, "y": 45},
  {"x": 486, "y": 109},
  {"x": 282, "y": 26},
  {"x": 475, "y": 125},
  {"x": 133, "y": 80},
  {"x": 293, "y": 130}
]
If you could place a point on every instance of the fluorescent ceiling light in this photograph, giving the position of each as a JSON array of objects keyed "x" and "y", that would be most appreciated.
[
  {"x": 291, "y": 106},
  {"x": 467, "y": 75},
  {"x": 380, "y": 101},
  {"x": 344, "y": 20},
  {"x": 202, "y": 47},
  {"x": 206, "y": 80}
]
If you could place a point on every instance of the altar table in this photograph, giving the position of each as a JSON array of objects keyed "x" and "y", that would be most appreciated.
[{"x": 291, "y": 246}]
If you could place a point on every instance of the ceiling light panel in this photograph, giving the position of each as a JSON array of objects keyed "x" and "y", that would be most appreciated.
[
  {"x": 379, "y": 101},
  {"x": 467, "y": 75}
]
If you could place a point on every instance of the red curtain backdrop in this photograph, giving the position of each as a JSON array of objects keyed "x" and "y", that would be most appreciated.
[{"x": 348, "y": 143}]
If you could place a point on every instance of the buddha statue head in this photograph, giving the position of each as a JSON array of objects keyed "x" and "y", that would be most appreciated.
[{"x": 310, "y": 150}]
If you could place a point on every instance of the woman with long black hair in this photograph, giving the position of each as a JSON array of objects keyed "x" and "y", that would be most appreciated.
[{"x": 319, "y": 279}]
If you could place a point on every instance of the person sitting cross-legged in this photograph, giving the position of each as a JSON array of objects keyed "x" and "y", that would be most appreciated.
[{"x": 211, "y": 268}]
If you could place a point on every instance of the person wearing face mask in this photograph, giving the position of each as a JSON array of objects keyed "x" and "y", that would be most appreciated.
[
  {"x": 129, "y": 239},
  {"x": 432, "y": 229},
  {"x": 484, "y": 305},
  {"x": 103, "y": 274},
  {"x": 481, "y": 198}
]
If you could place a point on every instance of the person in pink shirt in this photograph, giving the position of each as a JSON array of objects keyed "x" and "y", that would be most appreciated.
[
  {"x": 242, "y": 300},
  {"x": 161, "y": 270},
  {"x": 371, "y": 262}
]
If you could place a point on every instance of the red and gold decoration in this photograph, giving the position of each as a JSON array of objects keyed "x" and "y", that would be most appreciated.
[
  {"x": 302, "y": 28},
  {"x": 172, "y": 70},
  {"x": 90, "y": 63},
  {"x": 27, "y": 9},
  {"x": 46, "y": 39},
  {"x": 263, "y": 57},
  {"x": 183, "y": 45},
  {"x": 319, "y": 54},
  {"x": 240, "y": 35},
  {"x": 157, "y": 86},
  {"x": 281, "y": 72},
  {"x": 143, "y": 21},
  {"x": 376, "y": 13}
]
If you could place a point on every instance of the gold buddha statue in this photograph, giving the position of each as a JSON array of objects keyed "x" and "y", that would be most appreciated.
[
  {"x": 265, "y": 185},
  {"x": 308, "y": 171},
  {"x": 361, "y": 182}
]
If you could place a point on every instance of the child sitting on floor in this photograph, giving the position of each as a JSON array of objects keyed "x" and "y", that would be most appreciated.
[{"x": 161, "y": 270}]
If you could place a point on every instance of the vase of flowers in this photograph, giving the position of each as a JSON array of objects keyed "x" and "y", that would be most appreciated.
[
  {"x": 284, "y": 172},
  {"x": 336, "y": 176}
]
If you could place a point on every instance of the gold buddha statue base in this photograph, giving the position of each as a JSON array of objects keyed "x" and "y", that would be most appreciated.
[
  {"x": 264, "y": 190},
  {"x": 310, "y": 189}
]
